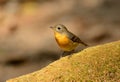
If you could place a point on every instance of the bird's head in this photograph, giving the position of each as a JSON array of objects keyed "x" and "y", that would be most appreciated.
[{"x": 59, "y": 28}]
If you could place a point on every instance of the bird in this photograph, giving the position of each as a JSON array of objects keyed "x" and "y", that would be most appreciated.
[{"x": 66, "y": 40}]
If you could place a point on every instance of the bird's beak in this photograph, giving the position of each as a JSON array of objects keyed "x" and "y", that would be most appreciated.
[{"x": 51, "y": 27}]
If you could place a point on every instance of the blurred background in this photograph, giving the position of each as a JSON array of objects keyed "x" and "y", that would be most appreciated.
[{"x": 27, "y": 43}]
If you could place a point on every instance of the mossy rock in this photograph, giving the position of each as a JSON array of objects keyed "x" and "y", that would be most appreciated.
[{"x": 94, "y": 64}]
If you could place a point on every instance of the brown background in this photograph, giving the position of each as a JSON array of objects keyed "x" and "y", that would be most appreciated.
[{"x": 26, "y": 41}]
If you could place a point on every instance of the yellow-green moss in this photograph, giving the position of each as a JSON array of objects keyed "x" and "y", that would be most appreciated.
[{"x": 94, "y": 64}]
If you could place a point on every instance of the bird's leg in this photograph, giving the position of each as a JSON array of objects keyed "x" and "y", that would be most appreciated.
[
  {"x": 62, "y": 54},
  {"x": 65, "y": 53},
  {"x": 71, "y": 53}
]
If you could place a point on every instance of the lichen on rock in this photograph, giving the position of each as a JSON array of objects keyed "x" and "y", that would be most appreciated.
[{"x": 94, "y": 64}]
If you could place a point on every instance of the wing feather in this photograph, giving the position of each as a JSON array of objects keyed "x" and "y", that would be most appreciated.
[{"x": 76, "y": 39}]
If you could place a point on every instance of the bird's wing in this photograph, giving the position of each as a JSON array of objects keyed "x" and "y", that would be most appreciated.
[{"x": 76, "y": 39}]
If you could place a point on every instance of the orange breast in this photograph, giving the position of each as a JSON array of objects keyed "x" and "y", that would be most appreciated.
[{"x": 64, "y": 42}]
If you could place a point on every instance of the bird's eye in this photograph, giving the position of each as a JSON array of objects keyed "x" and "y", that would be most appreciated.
[{"x": 59, "y": 28}]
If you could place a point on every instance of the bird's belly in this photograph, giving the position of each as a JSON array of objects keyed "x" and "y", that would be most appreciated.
[{"x": 66, "y": 44}]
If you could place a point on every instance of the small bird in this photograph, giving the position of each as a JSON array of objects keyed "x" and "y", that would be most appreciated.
[{"x": 66, "y": 40}]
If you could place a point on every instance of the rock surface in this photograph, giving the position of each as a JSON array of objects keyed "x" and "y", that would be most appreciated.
[{"x": 94, "y": 64}]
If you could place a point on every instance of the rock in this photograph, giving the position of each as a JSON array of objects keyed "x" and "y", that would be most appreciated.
[{"x": 94, "y": 64}]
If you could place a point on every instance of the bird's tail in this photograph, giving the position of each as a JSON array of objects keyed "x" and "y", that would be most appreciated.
[{"x": 84, "y": 44}]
